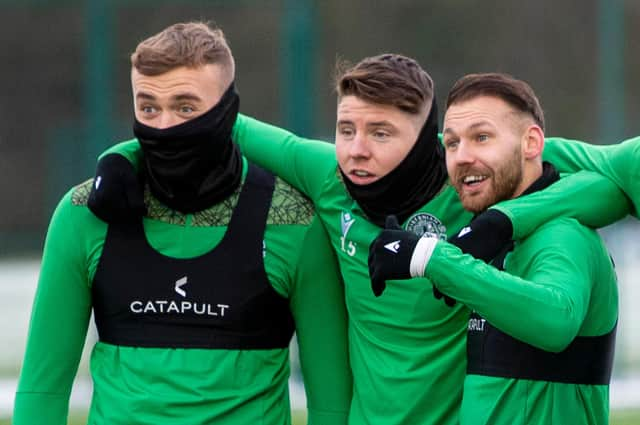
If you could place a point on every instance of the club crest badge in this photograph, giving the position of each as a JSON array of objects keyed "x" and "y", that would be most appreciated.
[{"x": 423, "y": 224}]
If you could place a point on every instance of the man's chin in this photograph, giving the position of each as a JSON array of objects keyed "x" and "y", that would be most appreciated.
[{"x": 475, "y": 204}]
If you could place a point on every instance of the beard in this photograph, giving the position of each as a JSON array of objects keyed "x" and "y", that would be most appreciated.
[{"x": 504, "y": 181}]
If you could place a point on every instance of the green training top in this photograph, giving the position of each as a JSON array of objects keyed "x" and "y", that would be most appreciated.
[
  {"x": 593, "y": 200},
  {"x": 134, "y": 385},
  {"x": 407, "y": 349},
  {"x": 558, "y": 283}
]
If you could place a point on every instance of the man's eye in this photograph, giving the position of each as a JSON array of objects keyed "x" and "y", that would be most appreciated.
[
  {"x": 483, "y": 137},
  {"x": 451, "y": 144},
  {"x": 346, "y": 131},
  {"x": 147, "y": 109},
  {"x": 380, "y": 134},
  {"x": 186, "y": 109}
]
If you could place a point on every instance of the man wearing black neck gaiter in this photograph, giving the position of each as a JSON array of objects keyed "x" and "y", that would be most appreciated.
[
  {"x": 196, "y": 295},
  {"x": 407, "y": 348},
  {"x": 541, "y": 336}
]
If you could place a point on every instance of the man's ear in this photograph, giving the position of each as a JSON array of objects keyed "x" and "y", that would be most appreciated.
[{"x": 533, "y": 142}]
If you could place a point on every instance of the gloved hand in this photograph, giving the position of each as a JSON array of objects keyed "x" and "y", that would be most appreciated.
[
  {"x": 484, "y": 238},
  {"x": 390, "y": 255},
  {"x": 117, "y": 194}
]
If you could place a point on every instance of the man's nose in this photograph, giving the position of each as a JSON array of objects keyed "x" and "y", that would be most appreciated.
[
  {"x": 359, "y": 147},
  {"x": 463, "y": 154},
  {"x": 166, "y": 120}
]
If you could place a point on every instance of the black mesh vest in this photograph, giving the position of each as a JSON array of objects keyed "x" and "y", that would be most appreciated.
[
  {"x": 221, "y": 299},
  {"x": 491, "y": 352}
]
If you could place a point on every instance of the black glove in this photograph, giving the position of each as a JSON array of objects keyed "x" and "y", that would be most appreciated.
[
  {"x": 390, "y": 255},
  {"x": 117, "y": 194},
  {"x": 484, "y": 238}
]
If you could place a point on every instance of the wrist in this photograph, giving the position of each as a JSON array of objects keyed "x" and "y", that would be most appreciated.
[{"x": 421, "y": 256}]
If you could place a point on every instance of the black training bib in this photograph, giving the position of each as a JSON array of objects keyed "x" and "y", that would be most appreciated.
[
  {"x": 491, "y": 352},
  {"x": 221, "y": 299}
]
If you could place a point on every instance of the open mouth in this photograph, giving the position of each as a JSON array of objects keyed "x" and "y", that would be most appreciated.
[
  {"x": 473, "y": 181},
  {"x": 361, "y": 177},
  {"x": 361, "y": 173}
]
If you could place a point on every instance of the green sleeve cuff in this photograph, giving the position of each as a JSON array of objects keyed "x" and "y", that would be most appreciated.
[{"x": 33, "y": 408}]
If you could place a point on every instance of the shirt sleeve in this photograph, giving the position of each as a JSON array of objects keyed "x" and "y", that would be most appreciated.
[
  {"x": 59, "y": 318},
  {"x": 318, "y": 306},
  {"x": 545, "y": 307},
  {"x": 619, "y": 162},
  {"x": 589, "y": 197},
  {"x": 303, "y": 163},
  {"x": 130, "y": 149}
]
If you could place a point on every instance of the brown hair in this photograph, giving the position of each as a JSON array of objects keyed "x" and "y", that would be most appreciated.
[
  {"x": 191, "y": 44},
  {"x": 515, "y": 92},
  {"x": 388, "y": 79}
]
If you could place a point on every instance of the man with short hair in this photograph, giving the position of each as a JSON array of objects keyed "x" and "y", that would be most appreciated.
[
  {"x": 196, "y": 302},
  {"x": 618, "y": 162},
  {"x": 541, "y": 337},
  {"x": 407, "y": 349}
]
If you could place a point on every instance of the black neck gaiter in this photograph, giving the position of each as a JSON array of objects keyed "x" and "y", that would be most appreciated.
[
  {"x": 548, "y": 177},
  {"x": 409, "y": 186},
  {"x": 193, "y": 165}
]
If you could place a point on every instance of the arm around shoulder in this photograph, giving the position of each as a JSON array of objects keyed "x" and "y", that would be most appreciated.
[
  {"x": 303, "y": 163},
  {"x": 589, "y": 197}
]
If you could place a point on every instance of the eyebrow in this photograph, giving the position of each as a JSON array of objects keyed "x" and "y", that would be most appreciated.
[
  {"x": 383, "y": 123},
  {"x": 145, "y": 96},
  {"x": 177, "y": 98},
  {"x": 472, "y": 127},
  {"x": 186, "y": 96}
]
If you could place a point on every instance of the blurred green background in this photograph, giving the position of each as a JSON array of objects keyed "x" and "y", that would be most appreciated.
[{"x": 65, "y": 97}]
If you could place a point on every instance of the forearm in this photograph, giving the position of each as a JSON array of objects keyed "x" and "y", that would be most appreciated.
[
  {"x": 619, "y": 162},
  {"x": 570, "y": 156},
  {"x": 537, "y": 313},
  {"x": 302, "y": 163},
  {"x": 592, "y": 199}
]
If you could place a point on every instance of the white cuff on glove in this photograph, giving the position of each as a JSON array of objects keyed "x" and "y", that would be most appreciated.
[{"x": 421, "y": 255}]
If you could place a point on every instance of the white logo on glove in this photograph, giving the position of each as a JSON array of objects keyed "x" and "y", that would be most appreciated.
[
  {"x": 464, "y": 231},
  {"x": 393, "y": 246}
]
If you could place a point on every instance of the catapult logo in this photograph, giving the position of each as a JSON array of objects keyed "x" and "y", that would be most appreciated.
[{"x": 159, "y": 307}]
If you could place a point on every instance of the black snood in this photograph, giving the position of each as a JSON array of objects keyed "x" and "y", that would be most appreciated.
[
  {"x": 409, "y": 186},
  {"x": 193, "y": 165}
]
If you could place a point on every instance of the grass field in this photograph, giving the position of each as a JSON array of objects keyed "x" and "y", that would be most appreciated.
[{"x": 618, "y": 417}]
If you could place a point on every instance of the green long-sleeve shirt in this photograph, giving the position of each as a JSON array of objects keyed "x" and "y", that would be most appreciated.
[
  {"x": 134, "y": 385},
  {"x": 407, "y": 349},
  {"x": 590, "y": 199},
  {"x": 558, "y": 284}
]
